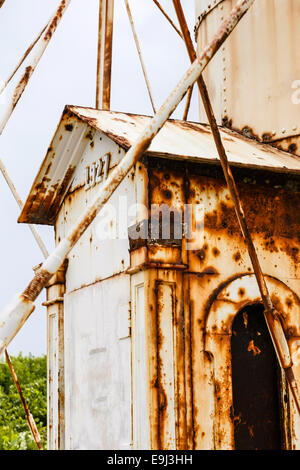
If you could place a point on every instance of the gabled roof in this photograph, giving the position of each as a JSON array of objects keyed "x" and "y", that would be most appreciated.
[{"x": 177, "y": 140}]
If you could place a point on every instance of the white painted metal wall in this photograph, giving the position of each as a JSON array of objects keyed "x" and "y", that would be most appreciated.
[
  {"x": 254, "y": 80},
  {"x": 97, "y": 318}
]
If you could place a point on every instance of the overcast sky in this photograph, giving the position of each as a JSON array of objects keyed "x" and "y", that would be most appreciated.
[{"x": 67, "y": 75}]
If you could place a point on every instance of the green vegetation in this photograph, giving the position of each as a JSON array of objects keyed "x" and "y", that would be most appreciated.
[{"x": 32, "y": 375}]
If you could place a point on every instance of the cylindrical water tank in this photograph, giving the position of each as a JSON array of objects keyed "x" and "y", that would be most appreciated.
[{"x": 254, "y": 80}]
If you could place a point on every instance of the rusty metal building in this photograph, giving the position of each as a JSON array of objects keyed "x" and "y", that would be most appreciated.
[
  {"x": 158, "y": 331},
  {"x": 143, "y": 327}
]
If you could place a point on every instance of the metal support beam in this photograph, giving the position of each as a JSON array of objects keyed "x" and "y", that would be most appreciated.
[
  {"x": 28, "y": 70},
  {"x": 104, "y": 63},
  {"x": 136, "y": 40},
  {"x": 17, "y": 312},
  {"x": 31, "y": 423},
  {"x": 188, "y": 103},
  {"x": 272, "y": 317}
]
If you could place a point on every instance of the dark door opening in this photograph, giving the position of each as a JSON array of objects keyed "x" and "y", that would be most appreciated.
[{"x": 255, "y": 383}]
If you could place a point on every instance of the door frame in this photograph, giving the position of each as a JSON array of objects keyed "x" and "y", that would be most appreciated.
[{"x": 228, "y": 300}]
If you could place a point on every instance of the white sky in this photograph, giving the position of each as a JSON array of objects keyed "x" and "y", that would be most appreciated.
[{"x": 67, "y": 75}]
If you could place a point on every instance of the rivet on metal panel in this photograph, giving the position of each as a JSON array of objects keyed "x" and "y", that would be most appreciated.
[{"x": 204, "y": 14}]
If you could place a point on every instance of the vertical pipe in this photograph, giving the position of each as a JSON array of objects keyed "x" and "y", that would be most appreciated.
[{"x": 104, "y": 60}]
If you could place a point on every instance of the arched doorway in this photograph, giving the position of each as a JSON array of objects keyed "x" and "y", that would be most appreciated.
[
  {"x": 256, "y": 383},
  {"x": 224, "y": 307}
]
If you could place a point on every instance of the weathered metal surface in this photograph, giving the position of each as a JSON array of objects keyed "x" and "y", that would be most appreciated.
[
  {"x": 55, "y": 361},
  {"x": 220, "y": 258},
  {"x": 13, "y": 318},
  {"x": 29, "y": 69},
  {"x": 95, "y": 258},
  {"x": 138, "y": 47},
  {"x": 98, "y": 366},
  {"x": 104, "y": 62},
  {"x": 168, "y": 385},
  {"x": 164, "y": 343},
  {"x": 271, "y": 315},
  {"x": 206, "y": 9},
  {"x": 241, "y": 81},
  {"x": 55, "y": 175},
  {"x": 222, "y": 309},
  {"x": 181, "y": 376},
  {"x": 187, "y": 104},
  {"x": 183, "y": 140},
  {"x": 140, "y": 374}
]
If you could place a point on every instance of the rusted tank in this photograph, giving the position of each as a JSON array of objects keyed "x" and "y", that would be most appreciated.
[
  {"x": 156, "y": 338},
  {"x": 254, "y": 80}
]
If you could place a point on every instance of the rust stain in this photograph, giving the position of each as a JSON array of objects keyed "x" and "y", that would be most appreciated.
[
  {"x": 37, "y": 284},
  {"x": 237, "y": 419},
  {"x": 237, "y": 256},
  {"x": 53, "y": 25},
  {"x": 254, "y": 349},
  {"x": 251, "y": 431},
  {"x": 216, "y": 252},
  {"x": 21, "y": 85},
  {"x": 241, "y": 292}
]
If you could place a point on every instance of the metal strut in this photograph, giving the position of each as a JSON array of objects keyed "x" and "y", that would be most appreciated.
[
  {"x": 272, "y": 316},
  {"x": 104, "y": 60}
]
